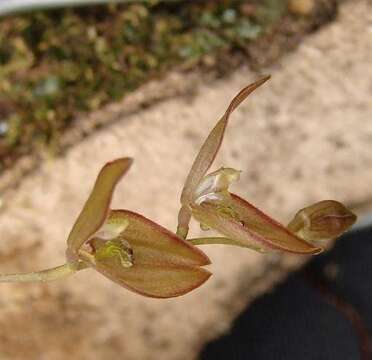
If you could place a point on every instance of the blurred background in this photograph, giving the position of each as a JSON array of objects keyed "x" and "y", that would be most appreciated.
[{"x": 83, "y": 82}]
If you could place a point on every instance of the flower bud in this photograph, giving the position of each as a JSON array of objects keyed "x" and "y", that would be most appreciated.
[{"x": 326, "y": 219}]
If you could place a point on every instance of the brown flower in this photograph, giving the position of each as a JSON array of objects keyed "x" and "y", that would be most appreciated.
[{"x": 208, "y": 200}]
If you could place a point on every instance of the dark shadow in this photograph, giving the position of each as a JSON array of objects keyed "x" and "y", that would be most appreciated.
[{"x": 323, "y": 312}]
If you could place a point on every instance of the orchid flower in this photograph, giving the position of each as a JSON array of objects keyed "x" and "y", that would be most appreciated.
[
  {"x": 148, "y": 259},
  {"x": 207, "y": 199},
  {"x": 126, "y": 247}
]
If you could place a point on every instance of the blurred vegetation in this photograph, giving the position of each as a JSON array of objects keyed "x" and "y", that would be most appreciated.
[{"x": 57, "y": 64}]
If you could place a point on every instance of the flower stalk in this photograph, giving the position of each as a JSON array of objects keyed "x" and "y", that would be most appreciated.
[{"x": 47, "y": 275}]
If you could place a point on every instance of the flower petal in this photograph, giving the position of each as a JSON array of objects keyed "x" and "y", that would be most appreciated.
[
  {"x": 323, "y": 220},
  {"x": 249, "y": 226},
  {"x": 206, "y": 155},
  {"x": 209, "y": 149},
  {"x": 96, "y": 208},
  {"x": 160, "y": 264},
  {"x": 153, "y": 244},
  {"x": 215, "y": 185},
  {"x": 158, "y": 281}
]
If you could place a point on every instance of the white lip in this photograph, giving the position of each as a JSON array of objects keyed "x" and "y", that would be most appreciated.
[
  {"x": 111, "y": 231},
  {"x": 215, "y": 185}
]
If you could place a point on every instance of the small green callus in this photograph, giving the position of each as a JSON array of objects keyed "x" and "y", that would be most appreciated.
[{"x": 117, "y": 250}]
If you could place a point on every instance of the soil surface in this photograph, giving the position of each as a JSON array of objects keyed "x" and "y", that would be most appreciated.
[{"x": 304, "y": 136}]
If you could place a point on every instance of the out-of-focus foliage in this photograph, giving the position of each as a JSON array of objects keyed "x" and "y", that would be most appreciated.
[{"x": 55, "y": 64}]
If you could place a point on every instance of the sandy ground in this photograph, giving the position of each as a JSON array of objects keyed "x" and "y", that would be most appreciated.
[{"x": 303, "y": 137}]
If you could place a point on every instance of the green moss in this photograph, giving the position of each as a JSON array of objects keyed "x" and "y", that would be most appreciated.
[{"x": 54, "y": 64}]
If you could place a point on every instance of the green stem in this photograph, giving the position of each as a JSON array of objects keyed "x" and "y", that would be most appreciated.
[
  {"x": 214, "y": 241},
  {"x": 222, "y": 241},
  {"x": 58, "y": 272}
]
